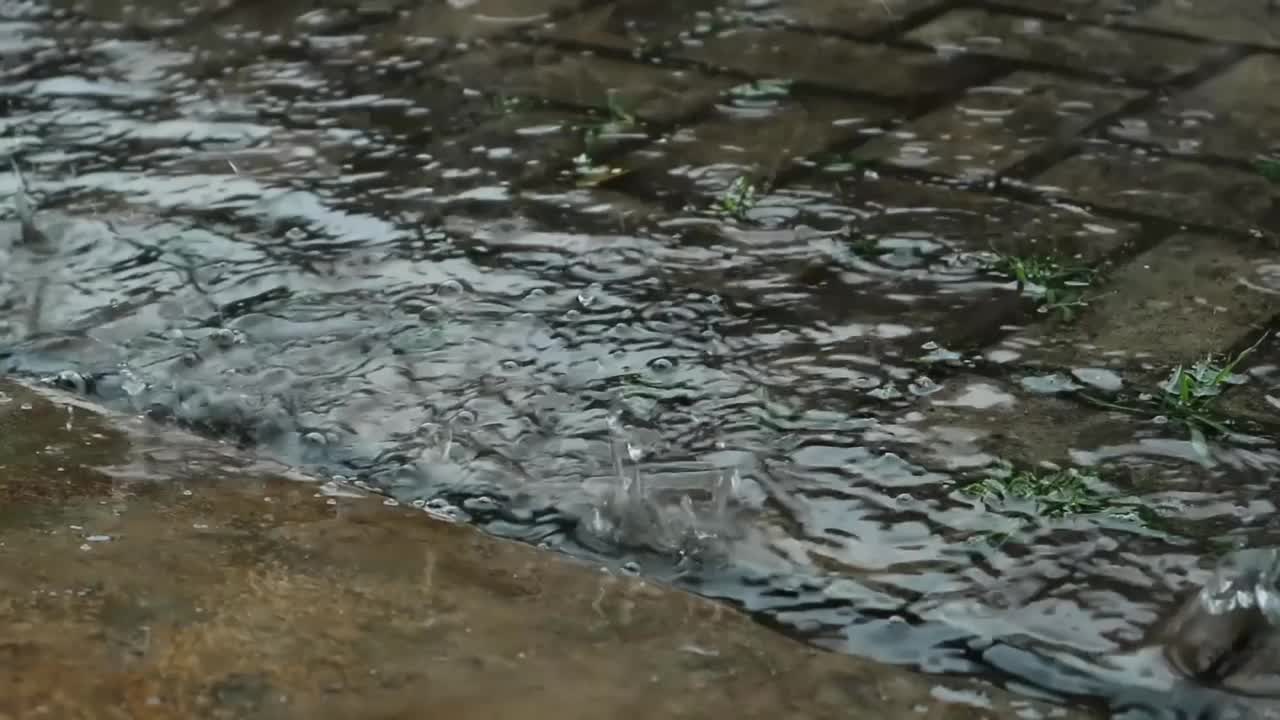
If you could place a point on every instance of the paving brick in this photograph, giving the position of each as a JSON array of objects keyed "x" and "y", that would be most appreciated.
[
  {"x": 864, "y": 17},
  {"x": 1236, "y": 114},
  {"x": 476, "y": 18},
  {"x": 650, "y": 92},
  {"x": 1093, "y": 9},
  {"x": 993, "y": 127},
  {"x": 633, "y": 25},
  {"x": 1139, "y": 181},
  {"x": 1237, "y": 21},
  {"x": 835, "y": 62},
  {"x": 1189, "y": 296},
  {"x": 1079, "y": 46},
  {"x": 963, "y": 222},
  {"x": 742, "y": 138}
]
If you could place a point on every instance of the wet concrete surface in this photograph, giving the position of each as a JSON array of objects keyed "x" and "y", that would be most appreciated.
[
  {"x": 155, "y": 575},
  {"x": 716, "y": 292}
]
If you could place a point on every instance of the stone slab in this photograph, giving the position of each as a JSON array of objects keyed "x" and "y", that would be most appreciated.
[
  {"x": 153, "y": 576},
  {"x": 1254, "y": 22},
  {"x": 743, "y": 138},
  {"x": 1107, "y": 10},
  {"x": 1235, "y": 114},
  {"x": 853, "y": 18},
  {"x": 1189, "y": 296},
  {"x": 834, "y": 62},
  {"x": 994, "y": 127},
  {"x": 1172, "y": 189},
  {"x": 632, "y": 24},
  {"x": 1086, "y": 47},
  {"x": 650, "y": 92}
]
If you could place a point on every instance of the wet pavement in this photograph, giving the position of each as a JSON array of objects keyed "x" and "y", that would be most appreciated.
[
  {"x": 151, "y": 575},
  {"x": 859, "y": 317}
]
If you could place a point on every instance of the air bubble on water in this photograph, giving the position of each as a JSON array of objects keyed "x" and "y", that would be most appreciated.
[
  {"x": 391, "y": 502},
  {"x": 587, "y": 297},
  {"x": 315, "y": 439},
  {"x": 931, "y": 345},
  {"x": 187, "y": 493},
  {"x": 464, "y": 418},
  {"x": 1160, "y": 419},
  {"x": 449, "y": 288},
  {"x": 331, "y": 501},
  {"x": 631, "y": 567},
  {"x": 923, "y": 386},
  {"x": 431, "y": 314},
  {"x": 661, "y": 364},
  {"x": 510, "y": 366},
  {"x": 885, "y": 392},
  {"x": 481, "y": 503},
  {"x": 635, "y": 452},
  {"x": 419, "y": 503},
  {"x": 225, "y": 338}
]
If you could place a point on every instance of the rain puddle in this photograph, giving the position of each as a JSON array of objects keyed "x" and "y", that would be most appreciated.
[{"x": 504, "y": 294}]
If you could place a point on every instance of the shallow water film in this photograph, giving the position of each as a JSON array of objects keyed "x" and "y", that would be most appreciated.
[{"x": 931, "y": 332}]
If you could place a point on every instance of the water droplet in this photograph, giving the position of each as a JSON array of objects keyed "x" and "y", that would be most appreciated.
[
  {"x": 662, "y": 364},
  {"x": 450, "y": 289},
  {"x": 224, "y": 338}
]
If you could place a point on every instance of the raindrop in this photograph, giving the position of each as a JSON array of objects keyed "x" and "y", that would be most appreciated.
[
  {"x": 587, "y": 297},
  {"x": 662, "y": 364},
  {"x": 224, "y": 337}
]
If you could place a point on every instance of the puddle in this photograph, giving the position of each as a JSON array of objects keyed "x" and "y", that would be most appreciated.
[{"x": 493, "y": 289}]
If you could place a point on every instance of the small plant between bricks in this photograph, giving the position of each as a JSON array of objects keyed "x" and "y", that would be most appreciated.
[
  {"x": 1190, "y": 394},
  {"x": 1056, "y": 286},
  {"x": 1052, "y": 494},
  {"x": 738, "y": 199},
  {"x": 619, "y": 120},
  {"x": 1269, "y": 168}
]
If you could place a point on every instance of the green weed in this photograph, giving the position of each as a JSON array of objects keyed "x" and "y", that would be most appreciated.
[
  {"x": 1269, "y": 169},
  {"x": 767, "y": 89},
  {"x": 1190, "y": 394},
  {"x": 1054, "y": 494},
  {"x": 1057, "y": 287},
  {"x": 738, "y": 199}
]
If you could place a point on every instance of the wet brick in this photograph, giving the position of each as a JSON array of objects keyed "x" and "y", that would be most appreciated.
[
  {"x": 835, "y": 62},
  {"x": 1236, "y": 115},
  {"x": 1084, "y": 47},
  {"x": 994, "y": 127},
  {"x": 650, "y": 92}
]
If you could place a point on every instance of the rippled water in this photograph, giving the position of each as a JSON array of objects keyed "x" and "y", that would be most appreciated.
[{"x": 339, "y": 254}]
